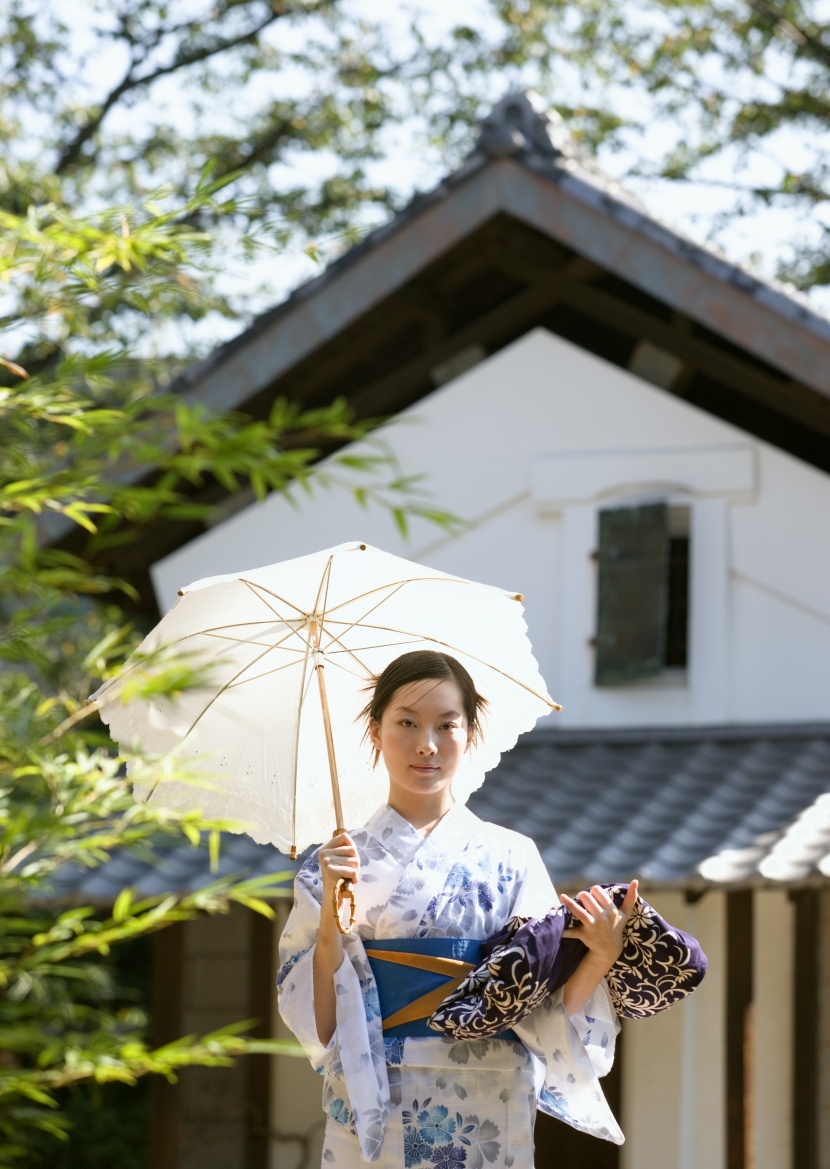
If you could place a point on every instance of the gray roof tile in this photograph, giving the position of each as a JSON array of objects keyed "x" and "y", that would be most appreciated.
[
  {"x": 676, "y": 806},
  {"x": 683, "y": 807}
]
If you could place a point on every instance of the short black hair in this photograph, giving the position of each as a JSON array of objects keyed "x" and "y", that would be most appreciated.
[{"x": 418, "y": 666}]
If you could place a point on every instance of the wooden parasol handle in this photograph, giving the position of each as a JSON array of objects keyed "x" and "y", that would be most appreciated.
[{"x": 342, "y": 888}]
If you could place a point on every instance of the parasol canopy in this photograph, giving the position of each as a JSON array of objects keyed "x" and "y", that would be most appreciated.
[{"x": 284, "y": 657}]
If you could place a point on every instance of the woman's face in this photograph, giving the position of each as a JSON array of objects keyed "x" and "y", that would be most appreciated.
[{"x": 422, "y": 736}]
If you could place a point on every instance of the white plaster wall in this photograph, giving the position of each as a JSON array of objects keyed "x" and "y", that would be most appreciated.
[
  {"x": 780, "y": 660},
  {"x": 760, "y": 623},
  {"x": 673, "y": 1064}
]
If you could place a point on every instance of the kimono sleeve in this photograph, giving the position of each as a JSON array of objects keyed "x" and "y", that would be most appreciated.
[
  {"x": 571, "y": 1052},
  {"x": 295, "y": 980},
  {"x": 353, "y": 1063}
]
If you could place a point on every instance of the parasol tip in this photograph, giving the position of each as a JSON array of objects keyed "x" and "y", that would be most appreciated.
[
  {"x": 518, "y": 596},
  {"x": 556, "y": 705},
  {"x": 293, "y": 852}
]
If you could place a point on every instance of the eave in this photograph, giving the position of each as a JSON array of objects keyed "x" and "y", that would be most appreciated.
[{"x": 502, "y": 246}]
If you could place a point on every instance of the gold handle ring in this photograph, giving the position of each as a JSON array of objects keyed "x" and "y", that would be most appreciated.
[{"x": 343, "y": 889}]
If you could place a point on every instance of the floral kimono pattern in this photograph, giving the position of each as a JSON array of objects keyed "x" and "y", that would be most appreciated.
[{"x": 420, "y": 1102}]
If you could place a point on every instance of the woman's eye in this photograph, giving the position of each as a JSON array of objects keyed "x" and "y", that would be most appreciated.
[{"x": 407, "y": 722}]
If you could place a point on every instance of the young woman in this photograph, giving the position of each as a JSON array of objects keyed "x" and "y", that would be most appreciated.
[{"x": 427, "y": 869}]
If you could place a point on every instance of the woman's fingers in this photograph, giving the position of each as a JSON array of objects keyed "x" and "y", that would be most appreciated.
[
  {"x": 630, "y": 899},
  {"x": 577, "y": 910},
  {"x": 339, "y": 860},
  {"x": 340, "y": 840},
  {"x": 341, "y": 867},
  {"x": 596, "y": 905},
  {"x": 590, "y": 904}
]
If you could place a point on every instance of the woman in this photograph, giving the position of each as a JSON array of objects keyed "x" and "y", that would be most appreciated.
[{"x": 427, "y": 868}]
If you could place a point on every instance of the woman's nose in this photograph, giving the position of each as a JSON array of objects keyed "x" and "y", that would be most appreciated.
[{"x": 426, "y": 745}]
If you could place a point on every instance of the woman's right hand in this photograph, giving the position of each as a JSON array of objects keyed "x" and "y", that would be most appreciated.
[{"x": 338, "y": 860}]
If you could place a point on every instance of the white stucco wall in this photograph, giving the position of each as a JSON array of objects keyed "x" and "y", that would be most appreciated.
[{"x": 527, "y": 447}]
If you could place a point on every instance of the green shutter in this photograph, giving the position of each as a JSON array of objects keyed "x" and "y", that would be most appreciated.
[{"x": 632, "y": 593}]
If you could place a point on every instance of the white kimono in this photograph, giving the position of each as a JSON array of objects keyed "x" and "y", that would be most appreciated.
[{"x": 440, "y": 1102}]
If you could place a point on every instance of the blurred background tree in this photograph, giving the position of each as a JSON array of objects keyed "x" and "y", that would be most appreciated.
[
  {"x": 79, "y": 429},
  {"x": 331, "y": 112},
  {"x": 729, "y": 99}
]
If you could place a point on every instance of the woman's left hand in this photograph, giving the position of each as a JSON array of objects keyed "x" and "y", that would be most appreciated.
[{"x": 600, "y": 922}]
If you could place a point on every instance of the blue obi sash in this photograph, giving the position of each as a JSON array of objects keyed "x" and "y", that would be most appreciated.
[{"x": 414, "y": 976}]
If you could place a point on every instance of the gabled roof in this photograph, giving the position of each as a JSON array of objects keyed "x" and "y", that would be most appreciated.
[
  {"x": 524, "y": 234},
  {"x": 689, "y": 808},
  {"x": 519, "y": 130}
]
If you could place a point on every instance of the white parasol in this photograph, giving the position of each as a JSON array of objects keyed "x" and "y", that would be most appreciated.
[{"x": 285, "y": 655}]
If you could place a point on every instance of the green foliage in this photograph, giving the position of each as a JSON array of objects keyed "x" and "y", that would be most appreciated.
[
  {"x": 299, "y": 102},
  {"x": 81, "y": 424},
  {"x": 745, "y": 84}
]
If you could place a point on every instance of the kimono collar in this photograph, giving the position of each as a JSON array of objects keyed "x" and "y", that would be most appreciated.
[{"x": 402, "y": 840}]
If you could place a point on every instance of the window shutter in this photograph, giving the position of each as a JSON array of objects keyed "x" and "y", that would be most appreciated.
[{"x": 632, "y": 594}]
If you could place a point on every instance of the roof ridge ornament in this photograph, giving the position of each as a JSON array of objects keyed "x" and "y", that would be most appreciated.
[{"x": 520, "y": 124}]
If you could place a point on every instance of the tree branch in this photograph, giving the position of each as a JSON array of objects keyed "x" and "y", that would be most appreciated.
[
  {"x": 129, "y": 82},
  {"x": 808, "y": 40}
]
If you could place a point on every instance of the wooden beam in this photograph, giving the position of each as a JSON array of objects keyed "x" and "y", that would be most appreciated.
[
  {"x": 427, "y": 309},
  {"x": 491, "y": 330},
  {"x": 739, "y": 997},
  {"x": 167, "y": 989},
  {"x": 780, "y": 393},
  {"x": 806, "y": 1015},
  {"x": 258, "y": 1068}
]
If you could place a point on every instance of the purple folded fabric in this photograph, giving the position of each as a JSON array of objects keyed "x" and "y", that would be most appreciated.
[{"x": 532, "y": 957}]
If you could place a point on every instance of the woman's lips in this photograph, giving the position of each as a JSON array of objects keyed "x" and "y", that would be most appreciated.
[{"x": 423, "y": 767}]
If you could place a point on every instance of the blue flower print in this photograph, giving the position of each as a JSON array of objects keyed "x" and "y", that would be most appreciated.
[
  {"x": 394, "y": 1050},
  {"x": 460, "y": 1052},
  {"x": 369, "y": 850},
  {"x": 485, "y": 895},
  {"x": 289, "y": 965},
  {"x": 339, "y": 1111},
  {"x": 408, "y": 1116},
  {"x": 415, "y": 1148},
  {"x": 309, "y": 872},
  {"x": 459, "y": 879},
  {"x": 555, "y": 1104},
  {"x": 504, "y": 878},
  {"x": 436, "y": 1124},
  {"x": 449, "y": 1157},
  {"x": 371, "y": 1002},
  {"x": 480, "y": 1137}
]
